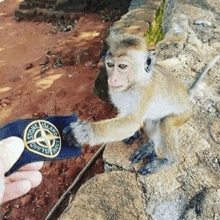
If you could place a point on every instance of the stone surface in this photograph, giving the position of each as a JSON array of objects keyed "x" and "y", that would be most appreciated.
[
  {"x": 139, "y": 17},
  {"x": 107, "y": 196}
]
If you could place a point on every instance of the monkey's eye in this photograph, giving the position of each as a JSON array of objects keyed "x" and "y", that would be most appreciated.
[
  {"x": 110, "y": 64},
  {"x": 122, "y": 66}
]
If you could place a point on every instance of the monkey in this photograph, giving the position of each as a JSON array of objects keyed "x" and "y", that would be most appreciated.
[{"x": 146, "y": 96}]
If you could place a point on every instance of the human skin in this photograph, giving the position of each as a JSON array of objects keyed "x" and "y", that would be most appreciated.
[{"x": 20, "y": 182}]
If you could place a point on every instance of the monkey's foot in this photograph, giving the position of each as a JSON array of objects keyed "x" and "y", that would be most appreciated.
[
  {"x": 146, "y": 150},
  {"x": 131, "y": 139},
  {"x": 76, "y": 132},
  {"x": 153, "y": 166}
]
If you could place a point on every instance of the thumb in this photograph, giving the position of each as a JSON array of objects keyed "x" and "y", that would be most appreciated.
[{"x": 10, "y": 150}]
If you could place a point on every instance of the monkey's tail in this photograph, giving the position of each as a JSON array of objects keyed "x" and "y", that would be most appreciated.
[{"x": 201, "y": 75}]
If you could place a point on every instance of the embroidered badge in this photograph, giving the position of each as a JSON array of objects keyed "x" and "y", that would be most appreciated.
[{"x": 42, "y": 137}]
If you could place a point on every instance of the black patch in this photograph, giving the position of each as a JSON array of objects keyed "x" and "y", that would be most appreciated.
[
  {"x": 150, "y": 61},
  {"x": 146, "y": 150},
  {"x": 196, "y": 203},
  {"x": 130, "y": 42},
  {"x": 42, "y": 137},
  {"x": 68, "y": 136},
  {"x": 131, "y": 139},
  {"x": 69, "y": 132}
]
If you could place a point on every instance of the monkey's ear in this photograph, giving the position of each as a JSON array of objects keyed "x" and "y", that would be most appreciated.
[{"x": 150, "y": 61}]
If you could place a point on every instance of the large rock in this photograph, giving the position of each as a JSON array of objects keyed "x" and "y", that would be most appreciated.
[
  {"x": 139, "y": 17},
  {"x": 107, "y": 196}
]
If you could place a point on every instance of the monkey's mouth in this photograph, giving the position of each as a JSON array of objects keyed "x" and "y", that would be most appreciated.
[{"x": 116, "y": 87}]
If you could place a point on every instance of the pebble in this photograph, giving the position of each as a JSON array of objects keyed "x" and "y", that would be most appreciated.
[
  {"x": 72, "y": 171},
  {"x": 88, "y": 157},
  {"x": 45, "y": 61},
  {"x": 6, "y": 101},
  {"x": 15, "y": 213},
  {"x": 4, "y": 105},
  {"x": 61, "y": 179},
  {"x": 26, "y": 199},
  {"x": 41, "y": 202},
  {"x": 28, "y": 66},
  {"x": 78, "y": 160},
  {"x": 55, "y": 173}
]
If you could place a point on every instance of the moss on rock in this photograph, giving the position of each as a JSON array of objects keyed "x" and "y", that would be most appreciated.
[{"x": 155, "y": 32}]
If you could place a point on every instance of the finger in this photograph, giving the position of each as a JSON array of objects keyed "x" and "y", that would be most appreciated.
[
  {"x": 66, "y": 130},
  {"x": 2, "y": 181},
  {"x": 35, "y": 177},
  {"x": 10, "y": 150},
  {"x": 33, "y": 166},
  {"x": 16, "y": 189}
]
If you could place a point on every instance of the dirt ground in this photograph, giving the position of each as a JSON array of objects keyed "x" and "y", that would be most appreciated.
[{"x": 31, "y": 87}]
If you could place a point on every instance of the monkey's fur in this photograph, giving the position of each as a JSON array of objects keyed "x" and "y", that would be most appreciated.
[{"x": 146, "y": 95}]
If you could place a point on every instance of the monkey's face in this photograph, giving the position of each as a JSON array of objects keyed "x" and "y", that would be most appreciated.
[{"x": 121, "y": 72}]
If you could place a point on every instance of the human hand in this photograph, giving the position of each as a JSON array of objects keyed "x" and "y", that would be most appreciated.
[{"x": 20, "y": 182}]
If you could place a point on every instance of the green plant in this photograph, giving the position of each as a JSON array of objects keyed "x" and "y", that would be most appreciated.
[{"x": 155, "y": 32}]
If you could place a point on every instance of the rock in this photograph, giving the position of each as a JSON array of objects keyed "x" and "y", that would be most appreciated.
[
  {"x": 26, "y": 199},
  {"x": 28, "y": 66},
  {"x": 15, "y": 213},
  {"x": 72, "y": 172},
  {"x": 45, "y": 60},
  {"x": 108, "y": 196},
  {"x": 41, "y": 202},
  {"x": 164, "y": 191},
  {"x": 5, "y": 102},
  {"x": 116, "y": 157},
  {"x": 88, "y": 157}
]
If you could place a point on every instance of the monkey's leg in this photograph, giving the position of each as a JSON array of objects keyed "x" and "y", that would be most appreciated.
[
  {"x": 131, "y": 139},
  {"x": 167, "y": 149},
  {"x": 147, "y": 150}
]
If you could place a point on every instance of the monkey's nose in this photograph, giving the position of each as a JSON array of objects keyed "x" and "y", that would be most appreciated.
[{"x": 114, "y": 83}]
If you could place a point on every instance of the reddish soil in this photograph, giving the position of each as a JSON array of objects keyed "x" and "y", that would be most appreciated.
[{"x": 29, "y": 89}]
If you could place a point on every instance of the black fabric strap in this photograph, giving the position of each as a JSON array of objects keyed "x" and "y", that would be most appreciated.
[{"x": 17, "y": 128}]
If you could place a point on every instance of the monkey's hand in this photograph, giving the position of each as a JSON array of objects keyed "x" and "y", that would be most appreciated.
[{"x": 77, "y": 133}]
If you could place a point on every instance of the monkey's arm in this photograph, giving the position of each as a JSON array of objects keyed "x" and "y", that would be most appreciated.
[{"x": 110, "y": 130}]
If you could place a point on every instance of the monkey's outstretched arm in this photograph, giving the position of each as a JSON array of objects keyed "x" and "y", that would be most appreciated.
[{"x": 110, "y": 130}]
